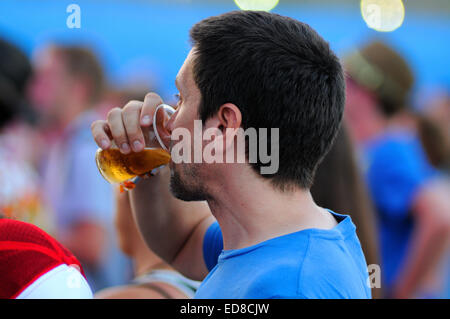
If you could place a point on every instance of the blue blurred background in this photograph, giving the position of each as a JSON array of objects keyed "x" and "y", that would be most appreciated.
[{"x": 148, "y": 39}]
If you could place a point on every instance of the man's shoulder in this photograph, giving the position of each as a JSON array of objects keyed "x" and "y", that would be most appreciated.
[
  {"x": 334, "y": 269},
  {"x": 264, "y": 271},
  {"x": 311, "y": 273},
  {"x": 313, "y": 263},
  {"x": 273, "y": 276},
  {"x": 274, "y": 269}
]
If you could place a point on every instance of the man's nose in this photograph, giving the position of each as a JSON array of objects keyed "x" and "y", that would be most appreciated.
[{"x": 170, "y": 125}]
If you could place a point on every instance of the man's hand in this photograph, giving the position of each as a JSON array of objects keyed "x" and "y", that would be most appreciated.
[
  {"x": 173, "y": 229},
  {"x": 125, "y": 126}
]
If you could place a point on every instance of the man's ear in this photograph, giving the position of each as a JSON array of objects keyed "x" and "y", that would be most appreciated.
[
  {"x": 229, "y": 117},
  {"x": 227, "y": 120}
]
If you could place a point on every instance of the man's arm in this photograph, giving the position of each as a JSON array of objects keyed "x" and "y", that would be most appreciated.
[
  {"x": 430, "y": 238},
  {"x": 173, "y": 229}
]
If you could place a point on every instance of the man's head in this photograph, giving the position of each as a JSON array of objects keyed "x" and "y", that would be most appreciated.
[
  {"x": 261, "y": 70},
  {"x": 65, "y": 76}
]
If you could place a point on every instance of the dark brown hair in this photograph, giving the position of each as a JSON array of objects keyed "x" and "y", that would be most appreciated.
[{"x": 281, "y": 74}]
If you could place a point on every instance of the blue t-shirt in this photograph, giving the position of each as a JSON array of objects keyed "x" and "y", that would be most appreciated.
[
  {"x": 397, "y": 168},
  {"x": 311, "y": 263}
]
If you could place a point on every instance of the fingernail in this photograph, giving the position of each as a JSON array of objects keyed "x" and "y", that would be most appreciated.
[
  {"x": 146, "y": 120},
  {"x": 104, "y": 144},
  {"x": 125, "y": 148},
  {"x": 137, "y": 145}
]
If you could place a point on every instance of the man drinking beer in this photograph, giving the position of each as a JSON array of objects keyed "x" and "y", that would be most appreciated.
[{"x": 244, "y": 233}]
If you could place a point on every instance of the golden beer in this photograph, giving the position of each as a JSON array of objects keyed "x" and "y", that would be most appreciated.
[{"x": 116, "y": 167}]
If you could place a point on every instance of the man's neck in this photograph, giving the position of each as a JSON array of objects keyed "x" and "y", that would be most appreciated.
[{"x": 250, "y": 210}]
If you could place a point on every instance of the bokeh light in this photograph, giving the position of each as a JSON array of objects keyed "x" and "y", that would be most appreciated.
[
  {"x": 258, "y": 5},
  {"x": 383, "y": 15}
]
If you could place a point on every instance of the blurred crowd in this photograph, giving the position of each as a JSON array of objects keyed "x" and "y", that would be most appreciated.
[
  {"x": 389, "y": 169},
  {"x": 47, "y": 154}
]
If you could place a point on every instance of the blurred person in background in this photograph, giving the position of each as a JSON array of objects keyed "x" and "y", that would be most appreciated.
[
  {"x": 436, "y": 130},
  {"x": 410, "y": 197},
  {"x": 33, "y": 265},
  {"x": 20, "y": 195},
  {"x": 66, "y": 88},
  {"x": 339, "y": 186},
  {"x": 153, "y": 278}
]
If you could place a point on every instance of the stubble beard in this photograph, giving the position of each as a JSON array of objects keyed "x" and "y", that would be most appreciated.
[{"x": 186, "y": 183}]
